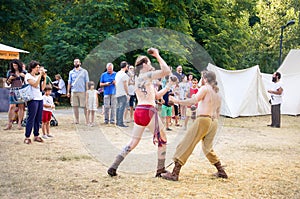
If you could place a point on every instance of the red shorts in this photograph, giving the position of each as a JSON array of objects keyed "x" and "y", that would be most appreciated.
[
  {"x": 143, "y": 114},
  {"x": 46, "y": 116}
]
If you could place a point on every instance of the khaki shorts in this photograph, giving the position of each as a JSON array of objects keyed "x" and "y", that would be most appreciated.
[
  {"x": 78, "y": 99},
  {"x": 189, "y": 112}
]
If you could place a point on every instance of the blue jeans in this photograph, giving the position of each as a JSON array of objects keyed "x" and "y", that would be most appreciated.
[
  {"x": 35, "y": 109},
  {"x": 121, "y": 105}
]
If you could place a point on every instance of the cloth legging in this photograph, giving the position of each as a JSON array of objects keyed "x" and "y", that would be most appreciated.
[{"x": 194, "y": 134}]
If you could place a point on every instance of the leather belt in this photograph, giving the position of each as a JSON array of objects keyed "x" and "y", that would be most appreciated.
[{"x": 205, "y": 116}]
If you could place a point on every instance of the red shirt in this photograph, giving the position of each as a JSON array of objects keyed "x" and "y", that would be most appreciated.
[{"x": 192, "y": 92}]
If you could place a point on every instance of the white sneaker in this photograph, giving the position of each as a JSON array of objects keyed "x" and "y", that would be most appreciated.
[
  {"x": 45, "y": 137},
  {"x": 50, "y": 136}
]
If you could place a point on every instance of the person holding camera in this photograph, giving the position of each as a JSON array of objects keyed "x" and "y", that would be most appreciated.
[
  {"x": 107, "y": 81},
  {"x": 15, "y": 78},
  {"x": 35, "y": 106}
]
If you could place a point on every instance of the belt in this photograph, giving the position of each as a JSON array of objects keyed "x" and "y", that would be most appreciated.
[{"x": 205, "y": 116}]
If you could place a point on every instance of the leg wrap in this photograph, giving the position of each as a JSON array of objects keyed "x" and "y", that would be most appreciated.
[
  {"x": 126, "y": 150},
  {"x": 117, "y": 162}
]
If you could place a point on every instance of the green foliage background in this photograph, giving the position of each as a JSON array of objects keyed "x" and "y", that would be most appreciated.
[{"x": 236, "y": 33}]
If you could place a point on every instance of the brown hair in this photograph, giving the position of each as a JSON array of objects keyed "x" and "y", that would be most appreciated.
[
  {"x": 139, "y": 64},
  {"x": 48, "y": 88},
  {"x": 211, "y": 79}
]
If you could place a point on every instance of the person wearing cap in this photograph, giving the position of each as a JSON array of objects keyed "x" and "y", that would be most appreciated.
[{"x": 48, "y": 79}]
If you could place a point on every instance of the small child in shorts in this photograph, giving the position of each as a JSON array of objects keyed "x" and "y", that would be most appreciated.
[{"x": 48, "y": 106}]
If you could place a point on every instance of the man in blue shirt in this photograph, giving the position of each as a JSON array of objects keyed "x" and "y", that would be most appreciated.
[
  {"x": 77, "y": 87},
  {"x": 107, "y": 81}
]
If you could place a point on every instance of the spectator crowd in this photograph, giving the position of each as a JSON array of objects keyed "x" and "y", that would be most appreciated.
[{"x": 116, "y": 91}]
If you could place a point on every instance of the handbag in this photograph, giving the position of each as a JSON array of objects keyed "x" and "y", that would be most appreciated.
[{"x": 23, "y": 94}]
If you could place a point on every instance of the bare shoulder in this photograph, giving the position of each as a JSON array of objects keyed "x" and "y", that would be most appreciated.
[
  {"x": 203, "y": 88},
  {"x": 144, "y": 78}
]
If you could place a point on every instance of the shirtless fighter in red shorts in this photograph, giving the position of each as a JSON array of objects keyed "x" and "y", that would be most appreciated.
[{"x": 145, "y": 114}]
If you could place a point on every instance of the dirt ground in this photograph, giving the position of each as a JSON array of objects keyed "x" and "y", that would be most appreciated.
[{"x": 261, "y": 162}]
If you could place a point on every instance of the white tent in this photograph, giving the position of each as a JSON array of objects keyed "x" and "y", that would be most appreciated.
[
  {"x": 243, "y": 92},
  {"x": 290, "y": 77}
]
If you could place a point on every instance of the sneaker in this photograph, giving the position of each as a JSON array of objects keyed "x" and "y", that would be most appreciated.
[
  {"x": 122, "y": 125},
  {"x": 168, "y": 129},
  {"x": 50, "y": 136},
  {"x": 45, "y": 137}
]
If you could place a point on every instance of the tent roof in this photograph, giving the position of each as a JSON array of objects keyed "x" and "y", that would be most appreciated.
[
  {"x": 11, "y": 49},
  {"x": 291, "y": 64}
]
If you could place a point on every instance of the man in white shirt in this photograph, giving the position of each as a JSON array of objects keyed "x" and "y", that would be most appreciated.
[
  {"x": 276, "y": 100},
  {"x": 122, "y": 94}
]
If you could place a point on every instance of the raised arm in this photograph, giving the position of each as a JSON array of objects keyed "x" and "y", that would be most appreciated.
[
  {"x": 35, "y": 83},
  {"x": 164, "y": 68}
]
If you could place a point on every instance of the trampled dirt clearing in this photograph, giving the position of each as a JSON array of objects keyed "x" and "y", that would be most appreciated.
[{"x": 261, "y": 162}]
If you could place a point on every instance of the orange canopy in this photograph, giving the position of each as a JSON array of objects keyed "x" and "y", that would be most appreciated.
[{"x": 8, "y": 52}]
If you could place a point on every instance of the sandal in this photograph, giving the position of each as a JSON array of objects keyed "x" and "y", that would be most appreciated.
[
  {"x": 27, "y": 141},
  {"x": 38, "y": 139},
  {"x": 8, "y": 127}
]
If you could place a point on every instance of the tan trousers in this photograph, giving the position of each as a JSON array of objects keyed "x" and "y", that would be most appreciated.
[
  {"x": 207, "y": 143},
  {"x": 194, "y": 134}
]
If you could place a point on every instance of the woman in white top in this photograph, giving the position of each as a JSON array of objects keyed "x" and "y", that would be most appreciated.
[
  {"x": 35, "y": 106},
  {"x": 60, "y": 87}
]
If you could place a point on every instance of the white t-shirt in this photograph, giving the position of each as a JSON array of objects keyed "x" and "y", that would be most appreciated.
[
  {"x": 131, "y": 83},
  {"x": 184, "y": 88},
  {"x": 276, "y": 99},
  {"x": 47, "y": 100},
  {"x": 36, "y": 91},
  {"x": 121, "y": 76}
]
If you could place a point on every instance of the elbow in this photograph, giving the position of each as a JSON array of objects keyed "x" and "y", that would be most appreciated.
[
  {"x": 157, "y": 97},
  {"x": 167, "y": 72}
]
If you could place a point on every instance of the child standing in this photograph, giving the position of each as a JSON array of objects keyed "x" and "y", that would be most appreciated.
[
  {"x": 92, "y": 103},
  {"x": 48, "y": 106},
  {"x": 191, "y": 110},
  {"x": 166, "y": 110}
]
